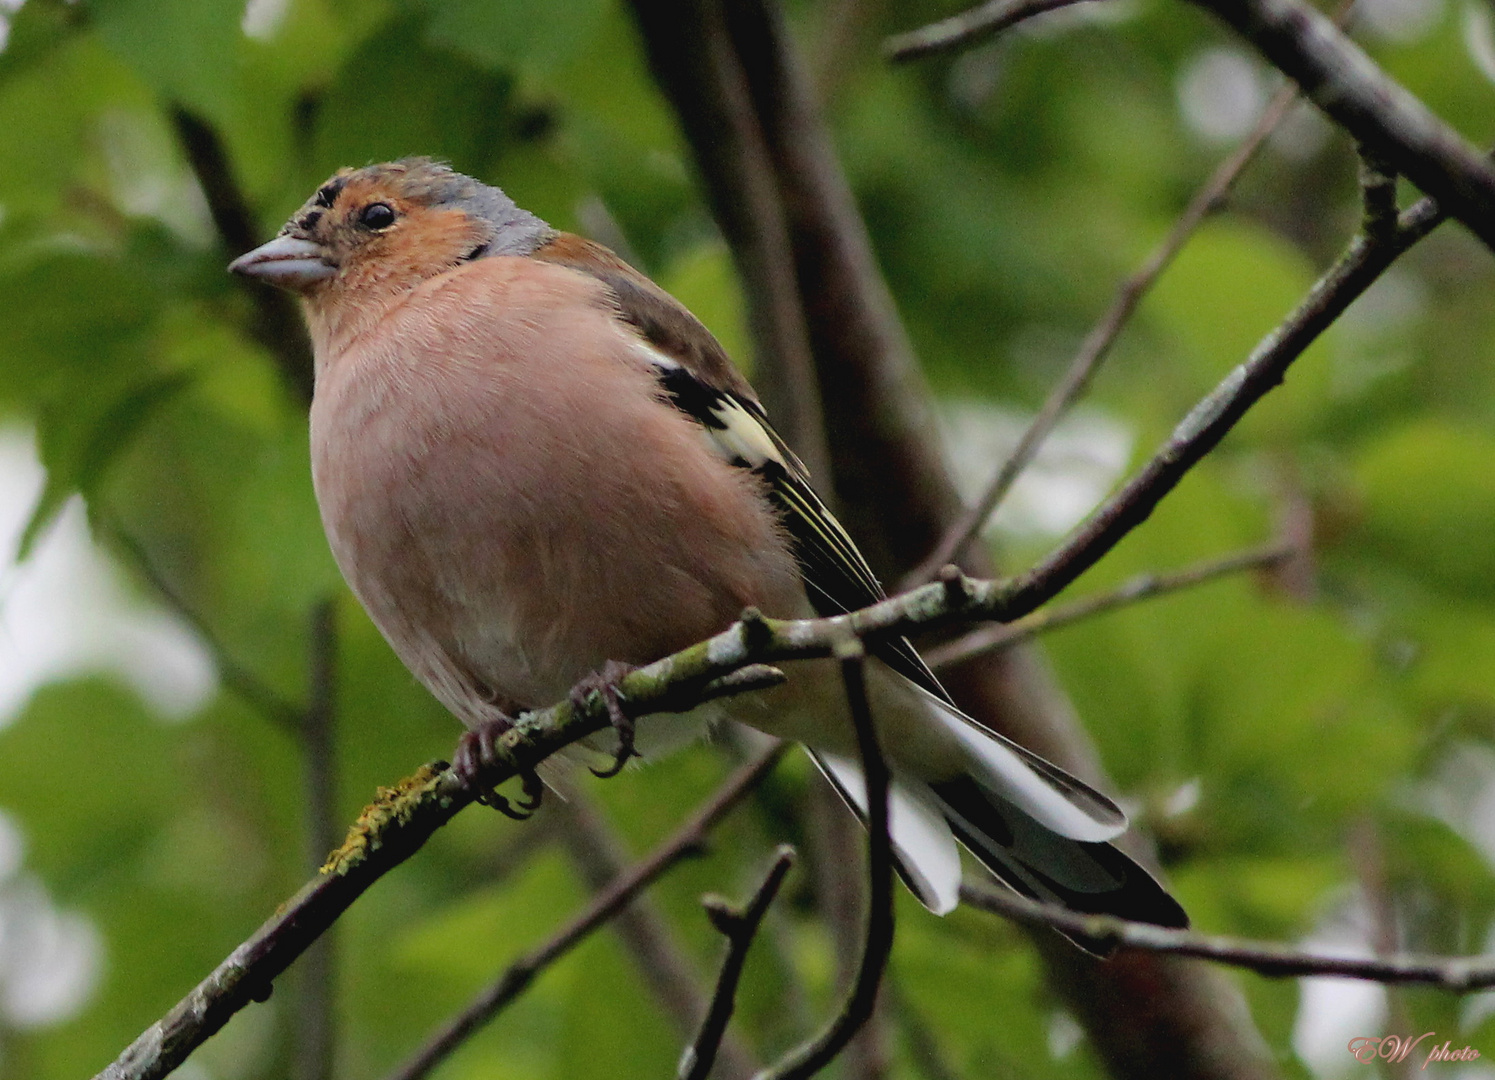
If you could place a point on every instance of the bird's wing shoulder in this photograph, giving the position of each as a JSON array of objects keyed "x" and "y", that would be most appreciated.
[{"x": 698, "y": 378}]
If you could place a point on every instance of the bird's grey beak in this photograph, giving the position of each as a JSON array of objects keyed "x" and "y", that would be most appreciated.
[{"x": 287, "y": 261}]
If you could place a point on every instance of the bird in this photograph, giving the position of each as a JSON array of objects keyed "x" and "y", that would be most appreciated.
[{"x": 537, "y": 470}]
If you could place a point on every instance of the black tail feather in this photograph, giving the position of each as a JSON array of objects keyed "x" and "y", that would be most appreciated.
[{"x": 1089, "y": 878}]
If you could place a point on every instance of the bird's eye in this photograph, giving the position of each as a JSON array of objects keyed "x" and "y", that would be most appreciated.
[{"x": 377, "y": 216}]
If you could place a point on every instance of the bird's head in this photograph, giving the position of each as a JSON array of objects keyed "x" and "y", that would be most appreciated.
[{"x": 386, "y": 228}]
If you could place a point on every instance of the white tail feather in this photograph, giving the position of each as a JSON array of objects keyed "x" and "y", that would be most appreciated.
[
  {"x": 922, "y": 840},
  {"x": 1054, "y": 799}
]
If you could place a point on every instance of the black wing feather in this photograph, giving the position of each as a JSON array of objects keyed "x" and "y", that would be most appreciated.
[{"x": 836, "y": 575}]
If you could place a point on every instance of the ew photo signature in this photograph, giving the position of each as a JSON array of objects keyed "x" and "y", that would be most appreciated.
[{"x": 1397, "y": 1048}]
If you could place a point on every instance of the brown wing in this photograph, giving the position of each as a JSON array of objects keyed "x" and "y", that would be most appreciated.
[
  {"x": 663, "y": 321},
  {"x": 699, "y": 378}
]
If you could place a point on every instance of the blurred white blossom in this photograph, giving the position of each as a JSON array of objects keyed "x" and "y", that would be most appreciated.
[
  {"x": 65, "y": 612},
  {"x": 1076, "y": 467},
  {"x": 1221, "y": 93}
]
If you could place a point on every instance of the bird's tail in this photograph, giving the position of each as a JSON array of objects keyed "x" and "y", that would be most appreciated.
[{"x": 1040, "y": 831}]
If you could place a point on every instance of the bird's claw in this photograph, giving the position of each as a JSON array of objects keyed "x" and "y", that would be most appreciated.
[
  {"x": 604, "y": 682},
  {"x": 477, "y": 751}
]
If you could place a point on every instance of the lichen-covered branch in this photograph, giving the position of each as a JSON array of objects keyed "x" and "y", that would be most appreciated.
[{"x": 388, "y": 832}]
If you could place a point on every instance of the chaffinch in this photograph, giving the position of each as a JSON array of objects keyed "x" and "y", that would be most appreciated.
[{"x": 535, "y": 466}]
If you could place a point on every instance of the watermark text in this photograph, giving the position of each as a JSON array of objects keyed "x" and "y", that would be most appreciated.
[{"x": 1397, "y": 1048}]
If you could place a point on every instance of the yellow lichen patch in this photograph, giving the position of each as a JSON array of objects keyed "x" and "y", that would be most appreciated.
[{"x": 391, "y": 806}]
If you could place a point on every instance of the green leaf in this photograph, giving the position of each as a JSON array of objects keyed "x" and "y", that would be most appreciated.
[
  {"x": 397, "y": 97},
  {"x": 78, "y": 456},
  {"x": 527, "y": 38},
  {"x": 186, "y": 49},
  {"x": 1429, "y": 503}
]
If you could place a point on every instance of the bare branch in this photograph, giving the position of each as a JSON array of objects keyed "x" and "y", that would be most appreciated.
[
  {"x": 740, "y": 927},
  {"x": 687, "y": 841},
  {"x": 1142, "y": 587},
  {"x": 1098, "y": 342},
  {"x": 1344, "y": 82},
  {"x": 836, "y": 863},
  {"x": 811, "y": 1057},
  {"x": 967, "y": 28},
  {"x": 1220, "y": 410},
  {"x": 1460, "y": 975}
]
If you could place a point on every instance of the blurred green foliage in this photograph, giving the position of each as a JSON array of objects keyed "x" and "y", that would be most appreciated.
[{"x": 1258, "y": 729}]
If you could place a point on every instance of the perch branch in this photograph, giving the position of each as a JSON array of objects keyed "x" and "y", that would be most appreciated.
[
  {"x": 388, "y": 832},
  {"x": 740, "y": 927}
]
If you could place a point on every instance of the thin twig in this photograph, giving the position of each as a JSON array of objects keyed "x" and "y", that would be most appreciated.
[
  {"x": 740, "y": 927},
  {"x": 1356, "y": 93},
  {"x": 688, "y": 840},
  {"x": 255, "y": 692},
  {"x": 1460, "y": 975},
  {"x": 1098, "y": 342},
  {"x": 315, "y": 1014},
  {"x": 837, "y": 874},
  {"x": 1141, "y": 587},
  {"x": 663, "y": 960},
  {"x": 1209, "y": 421},
  {"x": 809, "y": 1058},
  {"x": 967, "y": 28}
]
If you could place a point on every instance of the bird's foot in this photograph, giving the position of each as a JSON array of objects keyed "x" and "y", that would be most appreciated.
[
  {"x": 604, "y": 682},
  {"x": 477, "y": 751}
]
